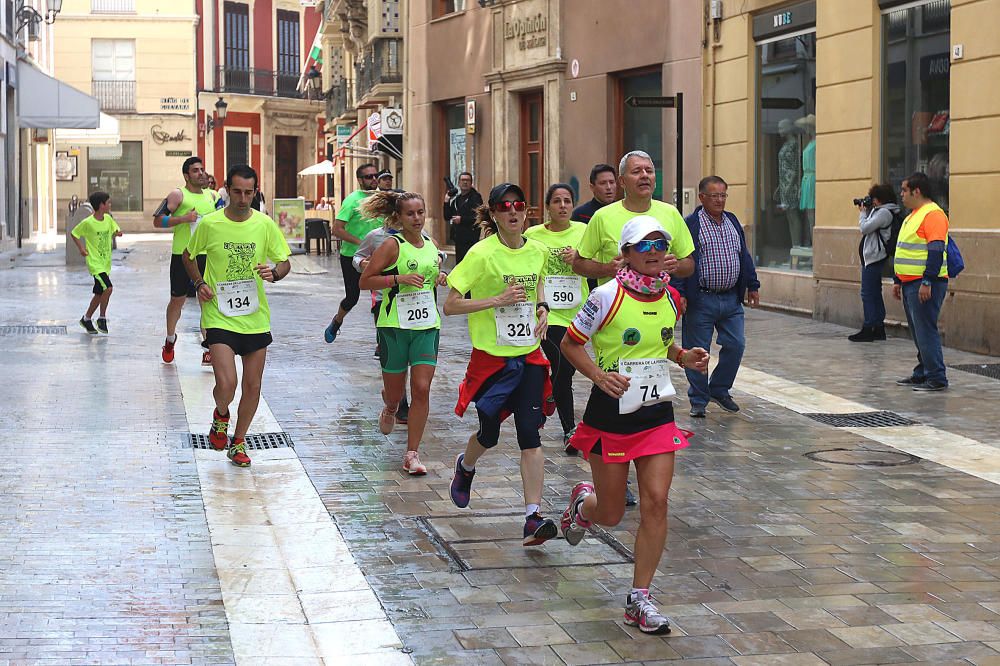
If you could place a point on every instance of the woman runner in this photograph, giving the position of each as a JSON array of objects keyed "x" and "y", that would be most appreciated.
[
  {"x": 406, "y": 267},
  {"x": 507, "y": 372},
  {"x": 566, "y": 291},
  {"x": 630, "y": 322}
]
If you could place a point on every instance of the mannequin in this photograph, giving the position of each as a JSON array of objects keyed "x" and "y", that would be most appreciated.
[
  {"x": 807, "y": 197},
  {"x": 789, "y": 176}
]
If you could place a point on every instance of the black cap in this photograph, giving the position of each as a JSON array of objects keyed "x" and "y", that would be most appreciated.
[
  {"x": 382, "y": 174},
  {"x": 498, "y": 192}
]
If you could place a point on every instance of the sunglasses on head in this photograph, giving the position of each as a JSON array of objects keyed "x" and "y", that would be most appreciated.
[
  {"x": 644, "y": 246},
  {"x": 507, "y": 206}
]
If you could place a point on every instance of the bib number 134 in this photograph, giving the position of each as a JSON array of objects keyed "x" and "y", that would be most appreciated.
[{"x": 237, "y": 298}]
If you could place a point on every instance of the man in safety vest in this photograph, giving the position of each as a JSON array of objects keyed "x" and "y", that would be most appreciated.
[{"x": 921, "y": 280}]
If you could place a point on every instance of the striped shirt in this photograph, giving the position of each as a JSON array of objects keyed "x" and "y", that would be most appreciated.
[{"x": 719, "y": 254}]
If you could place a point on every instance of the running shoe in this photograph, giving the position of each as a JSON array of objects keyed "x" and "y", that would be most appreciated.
[
  {"x": 573, "y": 524},
  {"x": 218, "y": 436},
  {"x": 237, "y": 453},
  {"x": 386, "y": 420},
  {"x": 412, "y": 464},
  {"x": 167, "y": 354},
  {"x": 630, "y": 499},
  {"x": 641, "y": 612},
  {"x": 206, "y": 358},
  {"x": 102, "y": 325},
  {"x": 88, "y": 326},
  {"x": 538, "y": 530},
  {"x": 461, "y": 484},
  {"x": 330, "y": 334},
  {"x": 403, "y": 413},
  {"x": 570, "y": 450}
]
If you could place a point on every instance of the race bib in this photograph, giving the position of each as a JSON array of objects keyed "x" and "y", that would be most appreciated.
[
  {"x": 515, "y": 324},
  {"x": 237, "y": 298},
  {"x": 563, "y": 292},
  {"x": 416, "y": 309},
  {"x": 649, "y": 383},
  {"x": 194, "y": 225}
]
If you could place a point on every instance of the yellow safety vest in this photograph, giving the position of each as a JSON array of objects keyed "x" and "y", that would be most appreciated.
[{"x": 911, "y": 249}]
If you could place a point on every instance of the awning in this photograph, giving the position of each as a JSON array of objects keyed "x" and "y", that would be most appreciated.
[
  {"x": 106, "y": 134},
  {"x": 47, "y": 103},
  {"x": 322, "y": 169}
]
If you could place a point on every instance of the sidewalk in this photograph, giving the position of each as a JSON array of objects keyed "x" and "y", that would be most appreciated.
[{"x": 116, "y": 532}]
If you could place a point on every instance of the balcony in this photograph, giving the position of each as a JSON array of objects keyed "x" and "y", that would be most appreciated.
[
  {"x": 112, "y": 6},
  {"x": 249, "y": 81},
  {"x": 115, "y": 96},
  {"x": 379, "y": 73},
  {"x": 340, "y": 101}
]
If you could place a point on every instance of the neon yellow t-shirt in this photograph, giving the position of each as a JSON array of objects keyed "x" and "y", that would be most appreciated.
[
  {"x": 565, "y": 302},
  {"x": 98, "y": 236},
  {"x": 202, "y": 202},
  {"x": 232, "y": 250},
  {"x": 354, "y": 222},
  {"x": 600, "y": 240},
  {"x": 485, "y": 272}
]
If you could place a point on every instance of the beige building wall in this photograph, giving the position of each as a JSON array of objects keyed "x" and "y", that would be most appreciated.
[
  {"x": 849, "y": 156},
  {"x": 165, "y": 97}
]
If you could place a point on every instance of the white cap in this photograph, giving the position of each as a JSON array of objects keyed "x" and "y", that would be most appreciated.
[{"x": 638, "y": 228}]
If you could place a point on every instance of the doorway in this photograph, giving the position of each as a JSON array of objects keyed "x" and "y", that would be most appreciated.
[
  {"x": 237, "y": 148},
  {"x": 532, "y": 154},
  {"x": 286, "y": 160}
]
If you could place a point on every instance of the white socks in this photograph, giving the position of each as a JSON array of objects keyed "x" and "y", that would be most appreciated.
[{"x": 530, "y": 509}]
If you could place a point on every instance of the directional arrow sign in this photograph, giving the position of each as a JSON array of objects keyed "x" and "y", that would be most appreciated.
[{"x": 657, "y": 102}]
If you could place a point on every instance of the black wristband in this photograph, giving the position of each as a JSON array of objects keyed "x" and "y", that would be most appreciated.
[
  {"x": 274, "y": 272},
  {"x": 543, "y": 304},
  {"x": 197, "y": 284}
]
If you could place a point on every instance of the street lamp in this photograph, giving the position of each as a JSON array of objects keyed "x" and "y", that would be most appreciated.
[
  {"x": 29, "y": 17},
  {"x": 314, "y": 83},
  {"x": 221, "y": 108}
]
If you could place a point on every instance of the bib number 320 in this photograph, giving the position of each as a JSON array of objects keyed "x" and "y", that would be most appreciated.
[
  {"x": 649, "y": 383},
  {"x": 516, "y": 324},
  {"x": 237, "y": 298}
]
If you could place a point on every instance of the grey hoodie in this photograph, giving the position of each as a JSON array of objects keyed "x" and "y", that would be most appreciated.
[{"x": 874, "y": 224}]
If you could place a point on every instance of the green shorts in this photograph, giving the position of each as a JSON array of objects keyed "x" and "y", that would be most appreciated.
[{"x": 400, "y": 348}]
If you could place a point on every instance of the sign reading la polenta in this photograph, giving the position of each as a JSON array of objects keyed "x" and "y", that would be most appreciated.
[{"x": 530, "y": 33}]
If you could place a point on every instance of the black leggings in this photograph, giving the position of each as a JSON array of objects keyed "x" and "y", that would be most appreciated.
[
  {"x": 562, "y": 376},
  {"x": 526, "y": 404},
  {"x": 352, "y": 278}
]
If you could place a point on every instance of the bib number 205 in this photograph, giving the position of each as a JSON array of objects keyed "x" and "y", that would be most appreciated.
[{"x": 416, "y": 309}]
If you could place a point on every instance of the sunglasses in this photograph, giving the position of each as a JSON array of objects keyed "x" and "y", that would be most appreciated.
[
  {"x": 507, "y": 206},
  {"x": 644, "y": 246}
]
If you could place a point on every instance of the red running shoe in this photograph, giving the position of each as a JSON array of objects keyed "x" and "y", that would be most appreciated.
[
  {"x": 238, "y": 453},
  {"x": 218, "y": 436},
  {"x": 168, "y": 351},
  {"x": 206, "y": 358}
]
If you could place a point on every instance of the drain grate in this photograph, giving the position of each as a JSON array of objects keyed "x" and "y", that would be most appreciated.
[
  {"x": 257, "y": 442},
  {"x": 991, "y": 370},
  {"x": 863, "y": 457},
  {"x": 862, "y": 420},
  {"x": 32, "y": 330}
]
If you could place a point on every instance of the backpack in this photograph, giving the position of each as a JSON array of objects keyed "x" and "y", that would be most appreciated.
[
  {"x": 956, "y": 264},
  {"x": 897, "y": 224}
]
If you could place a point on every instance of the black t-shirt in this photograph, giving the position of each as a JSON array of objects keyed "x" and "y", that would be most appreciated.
[{"x": 584, "y": 212}]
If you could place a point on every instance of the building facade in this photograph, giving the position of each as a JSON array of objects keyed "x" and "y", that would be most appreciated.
[
  {"x": 534, "y": 91},
  {"x": 807, "y": 104},
  {"x": 251, "y": 108}
]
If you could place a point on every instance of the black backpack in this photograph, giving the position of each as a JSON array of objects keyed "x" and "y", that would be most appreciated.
[{"x": 897, "y": 224}]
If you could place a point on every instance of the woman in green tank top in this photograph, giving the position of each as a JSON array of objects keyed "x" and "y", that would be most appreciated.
[{"x": 406, "y": 268}]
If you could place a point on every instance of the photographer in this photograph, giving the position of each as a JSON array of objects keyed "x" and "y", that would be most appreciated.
[
  {"x": 875, "y": 215},
  {"x": 460, "y": 210}
]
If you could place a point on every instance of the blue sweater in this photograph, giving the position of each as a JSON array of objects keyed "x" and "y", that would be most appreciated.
[{"x": 747, "y": 281}]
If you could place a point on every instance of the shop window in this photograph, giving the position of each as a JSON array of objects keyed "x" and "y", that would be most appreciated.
[
  {"x": 641, "y": 128},
  {"x": 454, "y": 140},
  {"x": 786, "y": 152},
  {"x": 442, "y": 7},
  {"x": 916, "y": 118},
  {"x": 237, "y": 148},
  {"x": 117, "y": 170}
]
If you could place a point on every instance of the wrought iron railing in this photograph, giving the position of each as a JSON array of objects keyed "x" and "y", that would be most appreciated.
[
  {"x": 339, "y": 99},
  {"x": 380, "y": 63},
  {"x": 115, "y": 95},
  {"x": 252, "y": 81}
]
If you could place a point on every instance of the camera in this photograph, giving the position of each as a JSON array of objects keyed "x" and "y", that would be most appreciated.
[
  {"x": 866, "y": 202},
  {"x": 452, "y": 190}
]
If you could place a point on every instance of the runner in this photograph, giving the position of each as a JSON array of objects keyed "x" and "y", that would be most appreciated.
[
  {"x": 94, "y": 238},
  {"x": 350, "y": 227},
  {"x": 566, "y": 292},
  {"x": 406, "y": 268},
  {"x": 181, "y": 210},
  {"x": 238, "y": 241},
  {"x": 507, "y": 372},
  {"x": 630, "y": 322}
]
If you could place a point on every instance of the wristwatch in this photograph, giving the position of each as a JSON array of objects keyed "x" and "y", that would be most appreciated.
[{"x": 925, "y": 282}]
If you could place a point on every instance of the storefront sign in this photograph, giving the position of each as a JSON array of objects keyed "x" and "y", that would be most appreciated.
[
  {"x": 178, "y": 153},
  {"x": 934, "y": 67},
  {"x": 161, "y": 136},
  {"x": 392, "y": 121},
  {"x": 789, "y": 19},
  {"x": 290, "y": 214},
  {"x": 529, "y": 33},
  {"x": 175, "y": 104},
  {"x": 343, "y": 134},
  {"x": 470, "y": 116}
]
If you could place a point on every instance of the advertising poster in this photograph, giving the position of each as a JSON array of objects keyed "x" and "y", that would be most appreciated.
[{"x": 290, "y": 214}]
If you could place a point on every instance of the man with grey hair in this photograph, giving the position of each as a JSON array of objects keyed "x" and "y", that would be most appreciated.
[{"x": 598, "y": 255}]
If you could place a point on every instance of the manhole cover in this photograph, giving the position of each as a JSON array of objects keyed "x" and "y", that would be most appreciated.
[
  {"x": 257, "y": 442},
  {"x": 862, "y": 420},
  {"x": 863, "y": 457},
  {"x": 32, "y": 330},
  {"x": 991, "y": 370}
]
